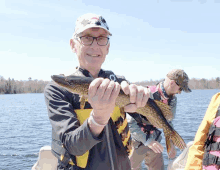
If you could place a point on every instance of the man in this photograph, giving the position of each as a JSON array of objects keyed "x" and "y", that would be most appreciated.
[
  {"x": 94, "y": 136},
  {"x": 146, "y": 138}
]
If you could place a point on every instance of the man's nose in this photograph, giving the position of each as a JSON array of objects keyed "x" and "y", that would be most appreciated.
[{"x": 95, "y": 43}]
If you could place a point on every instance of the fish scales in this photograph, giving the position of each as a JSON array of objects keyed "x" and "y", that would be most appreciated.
[{"x": 155, "y": 111}]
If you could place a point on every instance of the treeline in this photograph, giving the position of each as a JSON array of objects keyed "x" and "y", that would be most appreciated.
[
  {"x": 11, "y": 86},
  {"x": 194, "y": 83}
]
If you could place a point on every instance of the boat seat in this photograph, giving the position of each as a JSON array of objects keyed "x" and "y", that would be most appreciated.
[{"x": 46, "y": 160}]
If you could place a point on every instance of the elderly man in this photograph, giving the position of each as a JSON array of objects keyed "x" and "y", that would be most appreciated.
[
  {"x": 95, "y": 136},
  {"x": 146, "y": 138}
]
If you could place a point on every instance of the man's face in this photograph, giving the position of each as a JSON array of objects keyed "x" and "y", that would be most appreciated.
[
  {"x": 177, "y": 89},
  {"x": 174, "y": 88},
  {"x": 90, "y": 57}
]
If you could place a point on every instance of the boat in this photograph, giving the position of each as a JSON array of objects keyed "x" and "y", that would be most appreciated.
[
  {"x": 47, "y": 161},
  {"x": 179, "y": 163}
]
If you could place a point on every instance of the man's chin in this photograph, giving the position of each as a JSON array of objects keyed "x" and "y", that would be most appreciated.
[{"x": 94, "y": 65}]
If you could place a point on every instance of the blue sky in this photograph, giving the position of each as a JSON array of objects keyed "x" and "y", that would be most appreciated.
[{"x": 150, "y": 37}]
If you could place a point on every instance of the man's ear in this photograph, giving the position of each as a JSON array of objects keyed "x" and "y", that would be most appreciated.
[
  {"x": 72, "y": 46},
  {"x": 108, "y": 46},
  {"x": 172, "y": 82}
]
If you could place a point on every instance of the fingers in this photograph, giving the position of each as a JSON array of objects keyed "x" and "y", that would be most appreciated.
[
  {"x": 125, "y": 87},
  {"x": 131, "y": 108},
  {"x": 156, "y": 147},
  {"x": 172, "y": 154},
  {"x": 133, "y": 93},
  {"x": 108, "y": 88},
  {"x": 94, "y": 86},
  {"x": 115, "y": 92},
  {"x": 145, "y": 97},
  {"x": 138, "y": 94},
  {"x": 104, "y": 89}
]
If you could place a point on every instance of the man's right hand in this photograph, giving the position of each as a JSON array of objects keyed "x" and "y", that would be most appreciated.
[
  {"x": 156, "y": 147},
  {"x": 102, "y": 96}
]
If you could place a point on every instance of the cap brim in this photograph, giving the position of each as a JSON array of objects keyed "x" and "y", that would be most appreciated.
[
  {"x": 92, "y": 26},
  {"x": 187, "y": 90}
]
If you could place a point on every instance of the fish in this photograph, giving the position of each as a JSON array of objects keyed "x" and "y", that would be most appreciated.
[{"x": 155, "y": 111}]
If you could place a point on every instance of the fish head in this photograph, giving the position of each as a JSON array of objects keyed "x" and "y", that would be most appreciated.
[{"x": 75, "y": 84}]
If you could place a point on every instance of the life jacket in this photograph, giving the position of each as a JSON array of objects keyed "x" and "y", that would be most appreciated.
[
  {"x": 118, "y": 118},
  {"x": 212, "y": 145}
]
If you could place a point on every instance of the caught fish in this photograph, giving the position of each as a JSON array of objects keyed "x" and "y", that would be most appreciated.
[{"x": 155, "y": 111}]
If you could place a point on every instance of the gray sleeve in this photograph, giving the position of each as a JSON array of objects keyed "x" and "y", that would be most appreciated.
[
  {"x": 173, "y": 105},
  {"x": 76, "y": 138},
  {"x": 137, "y": 133}
]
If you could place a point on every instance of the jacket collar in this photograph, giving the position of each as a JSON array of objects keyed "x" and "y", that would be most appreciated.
[
  {"x": 164, "y": 91},
  {"x": 87, "y": 73}
]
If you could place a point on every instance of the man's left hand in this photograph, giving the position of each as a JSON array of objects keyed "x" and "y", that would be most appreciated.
[
  {"x": 139, "y": 96},
  {"x": 172, "y": 153}
]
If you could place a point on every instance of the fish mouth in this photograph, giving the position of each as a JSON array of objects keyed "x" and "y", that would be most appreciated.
[
  {"x": 71, "y": 81},
  {"x": 60, "y": 79}
]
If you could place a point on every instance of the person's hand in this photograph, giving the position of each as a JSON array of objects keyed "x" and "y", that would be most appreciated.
[
  {"x": 172, "y": 153},
  {"x": 102, "y": 95},
  {"x": 156, "y": 147},
  {"x": 139, "y": 96}
]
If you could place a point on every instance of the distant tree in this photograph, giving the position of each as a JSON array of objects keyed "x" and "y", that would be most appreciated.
[
  {"x": 2, "y": 85},
  {"x": 12, "y": 86},
  {"x": 217, "y": 82},
  {"x": 8, "y": 86}
]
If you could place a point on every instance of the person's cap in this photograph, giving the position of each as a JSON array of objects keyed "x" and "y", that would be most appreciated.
[
  {"x": 181, "y": 79},
  {"x": 90, "y": 20}
]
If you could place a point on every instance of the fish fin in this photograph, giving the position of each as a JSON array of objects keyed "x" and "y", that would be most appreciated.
[
  {"x": 168, "y": 144},
  {"x": 122, "y": 111},
  {"x": 82, "y": 102},
  {"x": 177, "y": 140}
]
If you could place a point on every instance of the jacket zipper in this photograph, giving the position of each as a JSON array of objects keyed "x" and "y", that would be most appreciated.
[{"x": 109, "y": 148}]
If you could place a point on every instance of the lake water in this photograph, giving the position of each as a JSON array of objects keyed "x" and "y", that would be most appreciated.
[{"x": 25, "y": 127}]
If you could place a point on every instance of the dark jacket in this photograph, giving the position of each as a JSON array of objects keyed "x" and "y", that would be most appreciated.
[{"x": 71, "y": 139}]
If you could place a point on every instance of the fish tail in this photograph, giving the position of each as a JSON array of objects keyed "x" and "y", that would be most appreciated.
[
  {"x": 176, "y": 139},
  {"x": 168, "y": 144}
]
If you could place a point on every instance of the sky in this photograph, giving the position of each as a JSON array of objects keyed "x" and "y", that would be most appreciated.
[{"x": 150, "y": 37}]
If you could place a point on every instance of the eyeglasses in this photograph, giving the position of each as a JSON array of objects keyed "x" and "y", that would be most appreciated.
[
  {"x": 180, "y": 88},
  {"x": 87, "y": 40}
]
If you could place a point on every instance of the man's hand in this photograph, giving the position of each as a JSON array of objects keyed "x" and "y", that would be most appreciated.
[
  {"x": 156, "y": 147},
  {"x": 139, "y": 96},
  {"x": 102, "y": 95},
  {"x": 172, "y": 153}
]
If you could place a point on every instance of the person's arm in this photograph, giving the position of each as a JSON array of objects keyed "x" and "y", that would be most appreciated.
[
  {"x": 173, "y": 105},
  {"x": 139, "y": 135},
  {"x": 196, "y": 151},
  {"x": 65, "y": 123},
  {"x": 136, "y": 131},
  {"x": 102, "y": 95},
  {"x": 93, "y": 120}
]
